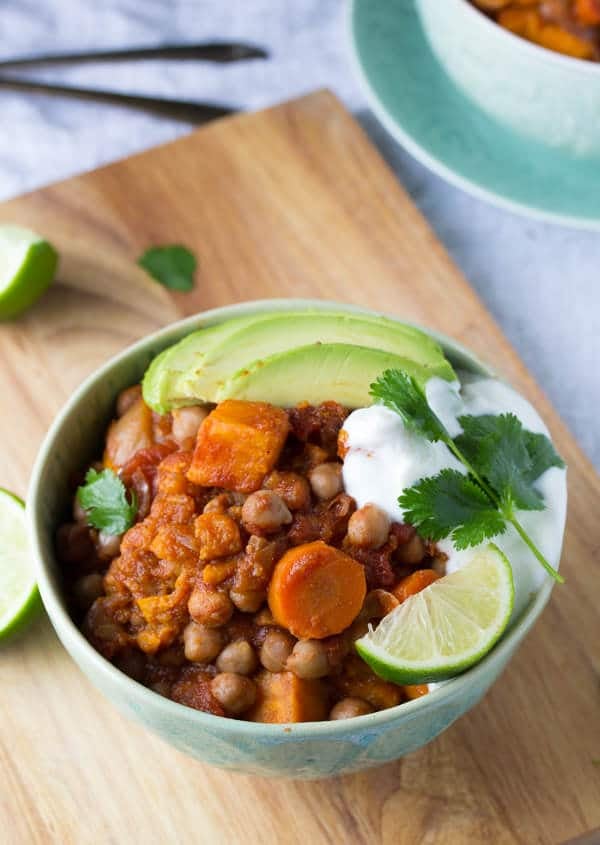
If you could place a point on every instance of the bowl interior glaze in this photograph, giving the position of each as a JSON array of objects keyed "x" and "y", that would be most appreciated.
[{"x": 539, "y": 94}]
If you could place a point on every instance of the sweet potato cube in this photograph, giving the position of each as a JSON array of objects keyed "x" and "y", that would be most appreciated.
[
  {"x": 214, "y": 574},
  {"x": 238, "y": 444},
  {"x": 587, "y": 12},
  {"x": 357, "y": 680},
  {"x": 413, "y": 691},
  {"x": 282, "y": 697},
  {"x": 218, "y": 535}
]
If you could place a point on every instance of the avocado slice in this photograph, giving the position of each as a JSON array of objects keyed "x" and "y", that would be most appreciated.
[
  {"x": 320, "y": 372},
  {"x": 183, "y": 357},
  {"x": 198, "y": 367}
]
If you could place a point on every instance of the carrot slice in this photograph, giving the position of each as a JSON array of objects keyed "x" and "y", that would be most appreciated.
[
  {"x": 316, "y": 590},
  {"x": 414, "y": 583},
  {"x": 215, "y": 573}
]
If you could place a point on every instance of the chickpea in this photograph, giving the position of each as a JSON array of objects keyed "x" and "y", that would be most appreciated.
[
  {"x": 326, "y": 480},
  {"x": 233, "y": 692},
  {"x": 264, "y": 617},
  {"x": 377, "y": 604},
  {"x": 439, "y": 565},
  {"x": 369, "y": 527},
  {"x": 127, "y": 398},
  {"x": 347, "y": 708},
  {"x": 210, "y": 607},
  {"x": 293, "y": 489},
  {"x": 308, "y": 660},
  {"x": 74, "y": 543},
  {"x": 87, "y": 589},
  {"x": 218, "y": 504},
  {"x": 314, "y": 455},
  {"x": 238, "y": 657},
  {"x": 412, "y": 552},
  {"x": 358, "y": 629},
  {"x": 108, "y": 546},
  {"x": 187, "y": 421},
  {"x": 101, "y": 624},
  {"x": 265, "y": 512},
  {"x": 248, "y": 601},
  {"x": 202, "y": 644},
  {"x": 275, "y": 650},
  {"x": 79, "y": 512}
]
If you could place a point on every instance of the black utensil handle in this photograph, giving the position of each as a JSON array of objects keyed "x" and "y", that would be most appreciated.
[
  {"x": 210, "y": 52},
  {"x": 189, "y": 111}
]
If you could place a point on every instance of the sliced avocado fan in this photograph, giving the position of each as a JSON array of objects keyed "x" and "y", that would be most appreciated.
[
  {"x": 320, "y": 372},
  {"x": 176, "y": 361},
  {"x": 208, "y": 363}
]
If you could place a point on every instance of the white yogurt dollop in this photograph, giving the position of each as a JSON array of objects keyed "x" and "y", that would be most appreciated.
[{"x": 384, "y": 458}]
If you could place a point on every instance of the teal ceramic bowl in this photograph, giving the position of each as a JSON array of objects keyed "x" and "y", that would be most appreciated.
[
  {"x": 540, "y": 94},
  {"x": 309, "y": 750}
]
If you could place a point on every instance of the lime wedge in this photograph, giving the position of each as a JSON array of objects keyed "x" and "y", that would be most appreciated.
[
  {"x": 445, "y": 628},
  {"x": 27, "y": 266},
  {"x": 19, "y": 600}
]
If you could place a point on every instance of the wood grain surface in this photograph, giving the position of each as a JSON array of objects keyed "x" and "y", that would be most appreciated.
[{"x": 289, "y": 202}]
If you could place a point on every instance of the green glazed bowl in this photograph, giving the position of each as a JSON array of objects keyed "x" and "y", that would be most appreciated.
[
  {"x": 308, "y": 750},
  {"x": 543, "y": 95}
]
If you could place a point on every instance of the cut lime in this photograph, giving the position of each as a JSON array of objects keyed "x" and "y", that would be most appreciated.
[
  {"x": 445, "y": 628},
  {"x": 27, "y": 266},
  {"x": 19, "y": 598}
]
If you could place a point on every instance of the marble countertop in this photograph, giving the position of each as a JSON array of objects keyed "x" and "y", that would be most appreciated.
[{"x": 540, "y": 281}]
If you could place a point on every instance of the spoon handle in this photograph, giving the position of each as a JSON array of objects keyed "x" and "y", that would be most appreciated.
[
  {"x": 210, "y": 52},
  {"x": 189, "y": 111}
]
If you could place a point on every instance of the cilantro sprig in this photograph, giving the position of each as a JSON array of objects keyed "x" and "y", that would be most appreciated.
[
  {"x": 502, "y": 462},
  {"x": 104, "y": 498},
  {"x": 173, "y": 266}
]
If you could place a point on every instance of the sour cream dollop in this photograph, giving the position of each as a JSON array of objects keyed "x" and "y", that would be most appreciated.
[{"x": 383, "y": 458}]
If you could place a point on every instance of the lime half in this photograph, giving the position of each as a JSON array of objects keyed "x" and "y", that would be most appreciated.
[
  {"x": 19, "y": 598},
  {"x": 445, "y": 628},
  {"x": 27, "y": 266}
]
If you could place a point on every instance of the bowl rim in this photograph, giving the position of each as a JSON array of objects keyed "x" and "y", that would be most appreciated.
[
  {"x": 418, "y": 147},
  {"x": 75, "y": 642},
  {"x": 536, "y": 50}
]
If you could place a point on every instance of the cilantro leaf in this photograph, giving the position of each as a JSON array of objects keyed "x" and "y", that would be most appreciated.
[
  {"x": 450, "y": 504},
  {"x": 104, "y": 498},
  {"x": 502, "y": 461},
  {"x": 401, "y": 393},
  {"x": 542, "y": 454},
  {"x": 508, "y": 457},
  {"x": 172, "y": 266}
]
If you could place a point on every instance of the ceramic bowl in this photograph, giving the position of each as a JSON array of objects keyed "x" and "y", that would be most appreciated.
[
  {"x": 540, "y": 94},
  {"x": 308, "y": 750}
]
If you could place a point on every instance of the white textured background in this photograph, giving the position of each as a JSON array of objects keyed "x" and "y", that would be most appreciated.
[{"x": 541, "y": 282}]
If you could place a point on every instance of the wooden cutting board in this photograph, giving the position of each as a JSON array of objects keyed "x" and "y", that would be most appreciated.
[{"x": 293, "y": 201}]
